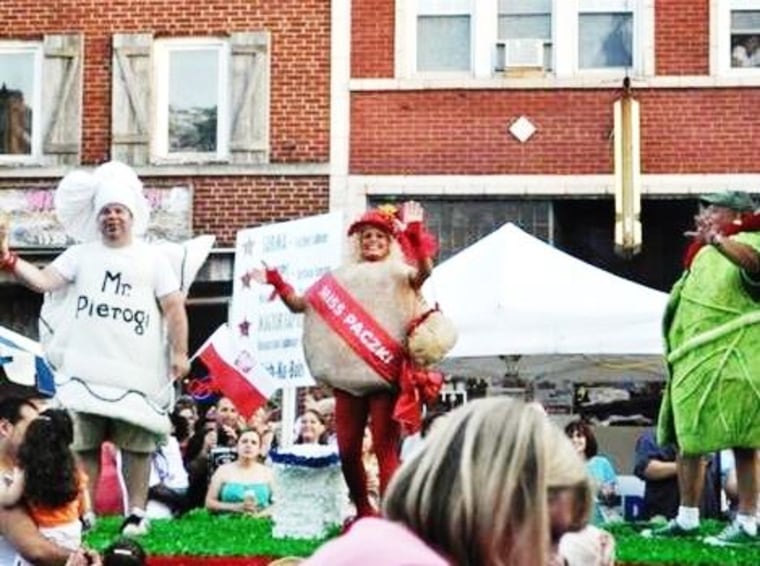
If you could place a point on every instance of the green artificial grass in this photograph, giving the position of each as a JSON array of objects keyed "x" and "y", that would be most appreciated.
[
  {"x": 199, "y": 533},
  {"x": 633, "y": 549}
]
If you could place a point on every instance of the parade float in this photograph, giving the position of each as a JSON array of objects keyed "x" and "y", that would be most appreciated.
[{"x": 200, "y": 538}]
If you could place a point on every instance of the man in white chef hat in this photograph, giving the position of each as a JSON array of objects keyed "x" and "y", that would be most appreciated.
[{"x": 123, "y": 300}]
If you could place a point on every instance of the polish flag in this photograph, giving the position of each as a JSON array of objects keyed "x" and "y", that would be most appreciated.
[{"x": 235, "y": 372}]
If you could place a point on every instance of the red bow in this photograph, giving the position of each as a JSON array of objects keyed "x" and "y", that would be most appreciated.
[{"x": 418, "y": 386}]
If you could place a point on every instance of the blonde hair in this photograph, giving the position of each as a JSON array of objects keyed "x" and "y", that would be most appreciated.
[{"x": 478, "y": 490}]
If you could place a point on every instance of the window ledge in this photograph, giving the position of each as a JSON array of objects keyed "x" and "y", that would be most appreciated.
[
  {"x": 550, "y": 82},
  {"x": 200, "y": 170}
]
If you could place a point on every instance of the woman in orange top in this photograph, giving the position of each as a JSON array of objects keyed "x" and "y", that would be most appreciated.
[{"x": 48, "y": 480}]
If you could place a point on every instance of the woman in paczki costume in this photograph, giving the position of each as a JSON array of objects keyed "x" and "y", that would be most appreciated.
[{"x": 355, "y": 328}]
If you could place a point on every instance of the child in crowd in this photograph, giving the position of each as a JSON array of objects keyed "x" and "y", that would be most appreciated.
[{"x": 49, "y": 482}]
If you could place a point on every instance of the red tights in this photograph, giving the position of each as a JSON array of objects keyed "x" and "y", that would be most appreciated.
[{"x": 351, "y": 414}]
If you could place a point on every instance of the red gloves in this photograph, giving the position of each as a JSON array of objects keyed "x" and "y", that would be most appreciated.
[
  {"x": 281, "y": 288},
  {"x": 418, "y": 244}
]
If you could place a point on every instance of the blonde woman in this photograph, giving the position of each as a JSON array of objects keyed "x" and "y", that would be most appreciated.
[
  {"x": 496, "y": 484},
  {"x": 244, "y": 485}
]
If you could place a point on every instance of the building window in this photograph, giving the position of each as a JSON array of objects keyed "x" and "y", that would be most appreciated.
[
  {"x": 745, "y": 38},
  {"x": 192, "y": 102},
  {"x": 460, "y": 222},
  {"x": 565, "y": 38},
  {"x": 605, "y": 39},
  {"x": 444, "y": 35},
  {"x": 734, "y": 37},
  {"x": 41, "y": 101},
  {"x": 520, "y": 21},
  {"x": 20, "y": 101}
]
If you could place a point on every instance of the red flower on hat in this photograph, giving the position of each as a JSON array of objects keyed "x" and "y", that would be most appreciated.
[{"x": 383, "y": 218}]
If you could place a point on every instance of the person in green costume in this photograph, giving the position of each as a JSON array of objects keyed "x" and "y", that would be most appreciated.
[{"x": 712, "y": 338}]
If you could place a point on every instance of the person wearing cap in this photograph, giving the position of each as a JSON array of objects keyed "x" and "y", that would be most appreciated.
[
  {"x": 355, "y": 325},
  {"x": 121, "y": 298},
  {"x": 712, "y": 335}
]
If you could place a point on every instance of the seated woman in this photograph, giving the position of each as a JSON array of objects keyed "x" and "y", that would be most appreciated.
[
  {"x": 599, "y": 468},
  {"x": 313, "y": 429},
  {"x": 245, "y": 484}
]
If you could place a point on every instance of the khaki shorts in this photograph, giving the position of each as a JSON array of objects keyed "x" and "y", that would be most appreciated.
[{"x": 90, "y": 431}]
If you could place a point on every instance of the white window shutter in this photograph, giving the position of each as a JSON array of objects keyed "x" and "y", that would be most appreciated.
[
  {"x": 249, "y": 97},
  {"x": 131, "y": 92},
  {"x": 62, "y": 99}
]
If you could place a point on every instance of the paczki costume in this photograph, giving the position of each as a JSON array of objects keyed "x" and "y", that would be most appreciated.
[{"x": 357, "y": 319}]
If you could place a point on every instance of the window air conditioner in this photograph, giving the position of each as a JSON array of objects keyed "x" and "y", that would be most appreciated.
[{"x": 521, "y": 53}]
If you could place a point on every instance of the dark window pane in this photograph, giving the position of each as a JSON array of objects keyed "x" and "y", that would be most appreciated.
[
  {"x": 745, "y": 38},
  {"x": 459, "y": 223},
  {"x": 16, "y": 90}
]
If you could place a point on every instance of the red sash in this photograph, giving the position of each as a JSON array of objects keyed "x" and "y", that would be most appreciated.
[{"x": 349, "y": 320}]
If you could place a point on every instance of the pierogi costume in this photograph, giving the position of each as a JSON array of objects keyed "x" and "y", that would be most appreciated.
[
  {"x": 115, "y": 362},
  {"x": 104, "y": 332},
  {"x": 712, "y": 332}
]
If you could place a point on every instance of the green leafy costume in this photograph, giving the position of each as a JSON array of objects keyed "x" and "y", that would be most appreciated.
[{"x": 712, "y": 336}]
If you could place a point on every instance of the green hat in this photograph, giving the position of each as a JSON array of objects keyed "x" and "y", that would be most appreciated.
[{"x": 739, "y": 201}]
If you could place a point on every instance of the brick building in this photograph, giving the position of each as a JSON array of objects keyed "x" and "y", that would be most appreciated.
[
  {"x": 485, "y": 110},
  {"x": 436, "y": 86}
]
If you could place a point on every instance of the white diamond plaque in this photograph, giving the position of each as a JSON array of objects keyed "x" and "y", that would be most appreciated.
[{"x": 522, "y": 129}]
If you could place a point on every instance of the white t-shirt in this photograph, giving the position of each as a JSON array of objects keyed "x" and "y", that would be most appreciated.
[{"x": 115, "y": 359}]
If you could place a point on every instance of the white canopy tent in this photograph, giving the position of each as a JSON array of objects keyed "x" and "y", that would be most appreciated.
[{"x": 512, "y": 294}]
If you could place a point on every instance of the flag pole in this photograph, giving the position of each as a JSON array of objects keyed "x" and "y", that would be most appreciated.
[{"x": 289, "y": 410}]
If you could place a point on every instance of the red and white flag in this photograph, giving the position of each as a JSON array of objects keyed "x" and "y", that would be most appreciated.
[{"x": 235, "y": 372}]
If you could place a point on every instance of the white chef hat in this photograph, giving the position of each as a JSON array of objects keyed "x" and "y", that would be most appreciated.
[{"x": 80, "y": 196}]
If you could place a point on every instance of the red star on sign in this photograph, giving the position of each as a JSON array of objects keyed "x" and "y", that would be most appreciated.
[
  {"x": 244, "y": 327},
  {"x": 246, "y": 279}
]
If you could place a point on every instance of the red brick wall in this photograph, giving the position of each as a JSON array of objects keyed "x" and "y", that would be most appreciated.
[
  {"x": 682, "y": 37},
  {"x": 225, "y": 205},
  {"x": 372, "y": 38},
  {"x": 465, "y": 132},
  {"x": 299, "y": 119}
]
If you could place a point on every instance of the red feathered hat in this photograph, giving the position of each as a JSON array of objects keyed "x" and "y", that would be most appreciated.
[{"x": 383, "y": 218}]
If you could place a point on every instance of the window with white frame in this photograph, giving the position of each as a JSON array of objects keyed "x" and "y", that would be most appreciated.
[
  {"x": 744, "y": 35},
  {"x": 191, "y": 100},
  {"x": 566, "y": 38},
  {"x": 734, "y": 37},
  {"x": 41, "y": 101},
  {"x": 20, "y": 101},
  {"x": 525, "y": 32},
  {"x": 444, "y": 35}
]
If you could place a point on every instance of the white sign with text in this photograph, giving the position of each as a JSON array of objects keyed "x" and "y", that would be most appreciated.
[{"x": 302, "y": 250}]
